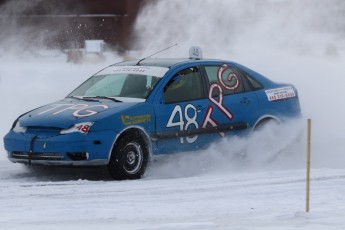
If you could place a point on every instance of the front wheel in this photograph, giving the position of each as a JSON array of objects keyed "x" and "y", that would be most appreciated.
[{"x": 129, "y": 158}]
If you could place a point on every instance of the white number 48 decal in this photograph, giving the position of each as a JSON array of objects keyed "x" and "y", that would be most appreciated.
[{"x": 177, "y": 118}]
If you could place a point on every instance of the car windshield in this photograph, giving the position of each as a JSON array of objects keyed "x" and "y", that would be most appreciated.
[{"x": 121, "y": 82}]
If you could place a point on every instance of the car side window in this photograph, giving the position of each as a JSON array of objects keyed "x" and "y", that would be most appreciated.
[
  {"x": 138, "y": 86},
  {"x": 254, "y": 84},
  {"x": 226, "y": 77},
  {"x": 186, "y": 85}
]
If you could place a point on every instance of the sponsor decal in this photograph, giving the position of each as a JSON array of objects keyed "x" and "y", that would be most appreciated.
[
  {"x": 78, "y": 110},
  {"x": 208, "y": 121},
  {"x": 132, "y": 120},
  {"x": 142, "y": 70},
  {"x": 280, "y": 93},
  {"x": 227, "y": 78}
]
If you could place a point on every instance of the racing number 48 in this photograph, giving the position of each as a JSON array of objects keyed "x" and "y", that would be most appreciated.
[
  {"x": 83, "y": 128},
  {"x": 184, "y": 120}
]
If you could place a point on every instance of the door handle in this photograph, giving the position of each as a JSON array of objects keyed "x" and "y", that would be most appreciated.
[
  {"x": 200, "y": 108},
  {"x": 245, "y": 101}
]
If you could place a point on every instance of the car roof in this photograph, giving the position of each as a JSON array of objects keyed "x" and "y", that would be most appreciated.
[
  {"x": 176, "y": 62},
  {"x": 166, "y": 62}
]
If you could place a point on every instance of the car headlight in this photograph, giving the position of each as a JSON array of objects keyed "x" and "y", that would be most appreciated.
[
  {"x": 18, "y": 128},
  {"x": 83, "y": 127}
]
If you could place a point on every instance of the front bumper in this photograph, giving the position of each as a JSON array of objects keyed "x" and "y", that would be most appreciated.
[
  {"x": 54, "y": 159},
  {"x": 73, "y": 149}
]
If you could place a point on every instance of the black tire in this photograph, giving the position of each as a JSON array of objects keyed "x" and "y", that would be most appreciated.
[{"x": 129, "y": 158}]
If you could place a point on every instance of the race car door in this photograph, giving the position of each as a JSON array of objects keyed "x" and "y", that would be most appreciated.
[
  {"x": 180, "y": 112},
  {"x": 233, "y": 106}
]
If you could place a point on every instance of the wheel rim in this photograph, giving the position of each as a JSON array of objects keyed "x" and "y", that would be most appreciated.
[{"x": 133, "y": 158}]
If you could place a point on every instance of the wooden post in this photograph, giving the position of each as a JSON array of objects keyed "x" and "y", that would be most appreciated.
[{"x": 308, "y": 165}]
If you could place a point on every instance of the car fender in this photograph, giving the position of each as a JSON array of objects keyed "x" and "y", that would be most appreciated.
[
  {"x": 266, "y": 117},
  {"x": 133, "y": 128}
]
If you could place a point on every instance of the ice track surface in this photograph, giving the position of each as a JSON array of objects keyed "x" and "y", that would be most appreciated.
[
  {"x": 218, "y": 200},
  {"x": 211, "y": 189}
]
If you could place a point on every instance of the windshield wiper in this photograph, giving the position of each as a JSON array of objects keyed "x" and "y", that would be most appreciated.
[
  {"x": 83, "y": 98},
  {"x": 103, "y": 97},
  {"x": 94, "y": 98}
]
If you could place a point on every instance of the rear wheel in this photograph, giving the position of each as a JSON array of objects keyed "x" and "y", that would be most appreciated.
[
  {"x": 129, "y": 158},
  {"x": 264, "y": 123}
]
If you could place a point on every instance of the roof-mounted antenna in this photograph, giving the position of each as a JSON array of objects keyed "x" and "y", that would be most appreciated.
[{"x": 155, "y": 53}]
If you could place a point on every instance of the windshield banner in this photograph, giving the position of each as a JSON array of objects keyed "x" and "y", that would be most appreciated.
[{"x": 143, "y": 70}]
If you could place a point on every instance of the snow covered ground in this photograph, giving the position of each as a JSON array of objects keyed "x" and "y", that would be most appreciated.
[
  {"x": 227, "y": 200},
  {"x": 299, "y": 42}
]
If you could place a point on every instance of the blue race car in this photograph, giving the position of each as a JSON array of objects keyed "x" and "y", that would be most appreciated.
[{"x": 131, "y": 111}]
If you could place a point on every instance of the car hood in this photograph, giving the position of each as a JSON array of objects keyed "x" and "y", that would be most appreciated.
[{"x": 67, "y": 112}]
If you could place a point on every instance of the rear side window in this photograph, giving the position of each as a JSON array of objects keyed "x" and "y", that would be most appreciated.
[
  {"x": 226, "y": 77},
  {"x": 254, "y": 84}
]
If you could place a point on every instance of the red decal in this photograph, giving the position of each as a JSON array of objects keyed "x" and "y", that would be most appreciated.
[
  {"x": 218, "y": 100},
  {"x": 208, "y": 121},
  {"x": 232, "y": 79}
]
